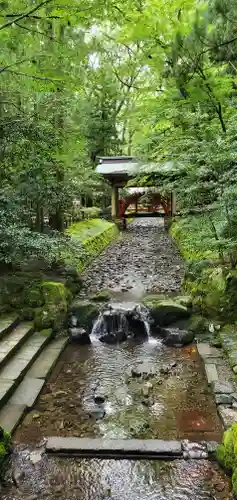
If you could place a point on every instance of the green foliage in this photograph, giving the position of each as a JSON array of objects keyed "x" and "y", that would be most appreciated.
[
  {"x": 227, "y": 454},
  {"x": 94, "y": 235},
  {"x": 5, "y": 448}
]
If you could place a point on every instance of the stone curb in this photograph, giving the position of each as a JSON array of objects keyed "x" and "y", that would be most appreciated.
[
  {"x": 129, "y": 448},
  {"x": 223, "y": 391}
]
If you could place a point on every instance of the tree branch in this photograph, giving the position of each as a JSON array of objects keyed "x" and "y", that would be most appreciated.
[
  {"x": 35, "y": 77},
  {"x": 36, "y": 31},
  {"x": 26, "y": 14}
]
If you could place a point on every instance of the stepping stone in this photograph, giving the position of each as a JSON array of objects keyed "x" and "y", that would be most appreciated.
[
  {"x": 92, "y": 447},
  {"x": 228, "y": 416},
  {"x": 206, "y": 351},
  {"x": 223, "y": 388},
  {"x": 11, "y": 415},
  {"x": 45, "y": 363},
  {"x": 27, "y": 392},
  {"x": 211, "y": 373}
]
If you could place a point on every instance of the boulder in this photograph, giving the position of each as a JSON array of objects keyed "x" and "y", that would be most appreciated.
[
  {"x": 165, "y": 310},
  {"x": 86, "y": 312},
  {"x": 136, "y": 324},
  {"x": 176, "y": 337},
  {"x": 79, "y": 336}
]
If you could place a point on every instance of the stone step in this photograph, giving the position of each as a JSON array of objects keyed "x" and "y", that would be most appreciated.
[
  {"x": 13, "y": 341},
  {"x": 7, "y": 323},
  {"x": 12, "y": 374},
  {"x": 26, "y": 394},
  {"x": 45, "y": 363}
]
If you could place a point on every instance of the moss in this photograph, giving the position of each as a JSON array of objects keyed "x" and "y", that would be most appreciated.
[
  {"x": 103, "y": 296},
  {"x": 5, "y": 448},
  {"x": 226, "y": 454},
  {"x": 46, "y": 332},
  {"x": 93, "y": 236},
  {"x": 55, "y": 293},
  {"x": 54, "y": 311},
  {"x": 165, "y": 310}
]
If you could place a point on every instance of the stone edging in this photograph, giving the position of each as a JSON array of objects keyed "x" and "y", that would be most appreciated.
[
  {"x": 130, "y": 448},
  {"x": 224, "y": 392}
]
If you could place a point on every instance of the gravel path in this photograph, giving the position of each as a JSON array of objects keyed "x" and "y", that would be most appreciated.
[{"x": 142, "y": 260}]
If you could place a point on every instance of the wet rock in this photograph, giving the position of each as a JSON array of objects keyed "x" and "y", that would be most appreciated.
[
  {"x": 143, "y": 370},
  {"x": 166, "y": 311},
  {"x": 194, "y": 450},
  {"x": 17, "y": 476},
  {"x": 73, "y": 321},
  {"x": 79, "y": 336},
  {"x": 109, "y": 338},
  {"x": 146, "y": 389},
  {"x": 222, "y": 388},
  {"x": 100, "y": 395},
  {"x": 223, "y": 399},
  {"x": 96, "y": 412},
  {"x": 177, "y": 338}
]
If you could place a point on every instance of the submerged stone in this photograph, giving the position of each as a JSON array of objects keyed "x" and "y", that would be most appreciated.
[{"x": 79, "y": 336}]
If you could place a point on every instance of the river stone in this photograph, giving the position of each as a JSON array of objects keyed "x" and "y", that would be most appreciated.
[
  {"x": 79, "y": 336},
  {"x": 97, "y": 412},
  {"x": 228, "y": 416},
  {"x": 177, "y": 338},
  {"x": 166, "y": 311},
  {"x": 222, "y": 388}
]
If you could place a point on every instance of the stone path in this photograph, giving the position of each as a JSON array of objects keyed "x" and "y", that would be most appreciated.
[
  {"x": 144, "y": 259},
  {"x": 222, "y": 381},
  {"x": 26, "y": 359}
]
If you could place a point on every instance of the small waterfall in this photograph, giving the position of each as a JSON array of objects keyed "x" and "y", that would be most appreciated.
[{"x": 120, "y": 321}]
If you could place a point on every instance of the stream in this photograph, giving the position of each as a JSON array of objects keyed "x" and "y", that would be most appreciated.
[{"x": 136, "y": 389}]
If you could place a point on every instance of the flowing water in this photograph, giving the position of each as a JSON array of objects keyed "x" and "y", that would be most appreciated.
[{"x": 135, "y": 389}]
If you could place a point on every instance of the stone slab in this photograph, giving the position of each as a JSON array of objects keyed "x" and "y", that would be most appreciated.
[
  {"x": 7, "y": 323},
  {"x": 17, "y": 366},
  {"x": 5, "y": 387},
  {"x": 228, "y": 416},
  {"x": 206, "y": 351},
  {"x": 13, "y": 341},
  {"x": 11, "y": 415},
  {"x": 222, "y": 388},
  {"x": 109, "y": 448},
  {"x": 211, "y": 373},
  {"x": 45, "y": 363},
  {"x": 27, "y": 392}
]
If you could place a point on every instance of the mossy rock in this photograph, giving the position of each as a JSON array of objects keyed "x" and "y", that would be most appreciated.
[
  {"x": 165, "y": 311},
  {"x": 86, "y": 312},
  {"x": 53, "y": 313},
  {"x": 55, "y": 293},
  {"x": 103, "y": 296},
  {"x": 226, "y": 454},
  {"x": 199, "y": 324}
]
